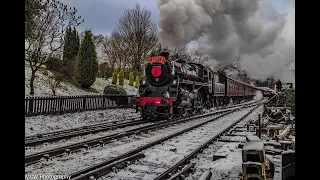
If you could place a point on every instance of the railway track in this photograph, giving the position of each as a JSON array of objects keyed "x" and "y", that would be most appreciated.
[
  {"x": 103, "y": 168},
  {"x": 81, "y": 131},
  {"x": 194, "y": 163},
  {"x": 50, "y": 137},
  {"x": 44, "y": 135},
  {"x": 60, "y": 151}
]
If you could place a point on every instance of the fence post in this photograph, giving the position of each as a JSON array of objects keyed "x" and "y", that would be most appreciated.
[
  {"x": 30, "y": 106},
  {"x": 104, "y": 101},
  {"x": 84, "y": 103}
]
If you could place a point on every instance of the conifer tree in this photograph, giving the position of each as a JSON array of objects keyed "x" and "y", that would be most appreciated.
[
  {"x": 137, "y": 82},
  {"x": 87, "y": 61},
  {"x": 131, "y": 79},
  {"x": 114, "y": 76},
  {"x": 121, "y": 77}
]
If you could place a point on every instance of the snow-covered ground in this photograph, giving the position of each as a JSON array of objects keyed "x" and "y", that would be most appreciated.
[
  {"x": 74, "y": 162},
  {"x": 161, "y": 157},
  {"x": 225, "y": 168},
  {"x": 43, "y": 124},
  {"x": 42, "y": 88}
]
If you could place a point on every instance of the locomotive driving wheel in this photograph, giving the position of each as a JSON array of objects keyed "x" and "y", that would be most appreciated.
[
  {"x": 199, "y": 104},
  {"x": 183, "y": 112}
]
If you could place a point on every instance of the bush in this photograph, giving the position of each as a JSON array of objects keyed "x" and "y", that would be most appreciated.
[
  {"x": 131, "y": 79},
  {"x": 114, "y": 89},
  {"x": 114, "y": 76},
  {"x": 137, "y": 82},
  {"x": 54, "y": 64},
  {"x": 121, "y": 78},
  {"x": 99, "y": 74}
]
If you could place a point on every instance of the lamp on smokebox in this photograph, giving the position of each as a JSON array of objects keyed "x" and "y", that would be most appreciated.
[{"x": 166, "y": 94}]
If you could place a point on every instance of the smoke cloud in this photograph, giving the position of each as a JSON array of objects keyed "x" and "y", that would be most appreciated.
[{"x": 226, "y": 29}]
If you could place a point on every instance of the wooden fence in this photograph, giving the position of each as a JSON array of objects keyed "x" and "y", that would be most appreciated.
[{"x": 65, "y": 104}]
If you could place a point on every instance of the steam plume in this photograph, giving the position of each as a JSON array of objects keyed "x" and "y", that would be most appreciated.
[{"x": 225, "y": 29}]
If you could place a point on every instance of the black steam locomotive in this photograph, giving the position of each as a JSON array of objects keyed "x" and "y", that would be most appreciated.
[{"x": 177, "y": 88}]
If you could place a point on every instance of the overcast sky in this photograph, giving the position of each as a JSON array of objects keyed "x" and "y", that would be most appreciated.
[{"x": 102, "y": 15}]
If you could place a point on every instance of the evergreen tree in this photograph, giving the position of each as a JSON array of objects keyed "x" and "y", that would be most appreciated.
[
  {"x": 137, "y": 82},
  {"x": 121, "y": 77},
  {"x": 70, "y": 51},
  {"x": 114, "y": 76},
  {"x": 77, "y": 42},
  {"x": 87, "y": 61},
  {"x": 131, "y": 79},
  {"x": 67, "y": 45}
]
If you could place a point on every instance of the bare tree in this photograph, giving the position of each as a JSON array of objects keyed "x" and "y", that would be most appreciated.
[
  {"x": 50, "y": 23},
  {"x": 197, "y": 56},
  {"x": 98, "y": 41},
  {"x": 53, "y": 80},
  {"x": 116, "y": 51},
  {"x": 235, "y": 70},
  {"x": 133, "y": 39}
]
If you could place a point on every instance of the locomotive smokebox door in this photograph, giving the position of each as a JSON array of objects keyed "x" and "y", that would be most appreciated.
[{"x": 156, "y": 71}]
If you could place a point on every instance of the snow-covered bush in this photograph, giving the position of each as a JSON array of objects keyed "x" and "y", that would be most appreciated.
[{"x": 114, "y": 89}]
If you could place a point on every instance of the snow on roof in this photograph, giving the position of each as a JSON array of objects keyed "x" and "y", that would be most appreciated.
[
  {"x": 272, "y": 143},
  {"x": 257, "y": 145},
  {"x": 274, "y": 127},
  {"x": 289, "y": 151},
  {"x": 248, "y": 163},
  {"x": 285, "y": 142},
  {"x": 253, "y": 138},
  {"x": 271, "y": 148}
]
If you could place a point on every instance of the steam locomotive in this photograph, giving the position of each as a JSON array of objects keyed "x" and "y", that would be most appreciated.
[{"x": 176, "y": 88}]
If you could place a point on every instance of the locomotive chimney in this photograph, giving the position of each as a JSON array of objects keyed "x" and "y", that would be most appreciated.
[{"x": 165, "y": 54}]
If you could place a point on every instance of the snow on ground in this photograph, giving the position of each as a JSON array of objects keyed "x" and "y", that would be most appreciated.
[
  {"x": 161, "y": 157},
  {"x": 42, "y": 88},
  {"x": 76, "y": 161},
  {"x": 225, "y": 168},
  {"x": 43, "y": 124}
]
